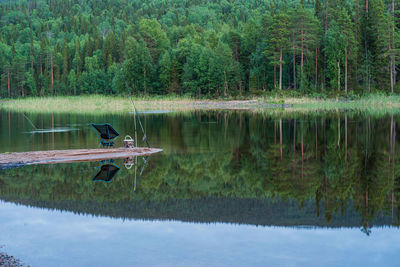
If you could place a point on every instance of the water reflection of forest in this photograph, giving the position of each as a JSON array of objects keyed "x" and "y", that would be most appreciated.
[{"x": 332, "y": 171}]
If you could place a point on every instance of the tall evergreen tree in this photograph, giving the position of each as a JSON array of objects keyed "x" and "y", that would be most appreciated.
[{"x": 278, "y": 39}]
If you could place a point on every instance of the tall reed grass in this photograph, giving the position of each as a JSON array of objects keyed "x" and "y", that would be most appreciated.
[{"x": 99, "y": 104}]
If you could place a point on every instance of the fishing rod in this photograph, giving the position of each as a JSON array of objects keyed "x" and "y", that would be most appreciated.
[
  {"x": 136, "y": 112},
  {"x": 137, "y": 179},
  {"x": 140, "y": 123}
]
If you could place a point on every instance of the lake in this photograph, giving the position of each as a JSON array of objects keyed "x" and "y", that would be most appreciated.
[{"x": 231, "y": 188}]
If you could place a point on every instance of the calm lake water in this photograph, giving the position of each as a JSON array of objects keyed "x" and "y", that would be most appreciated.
[{"x": 229, "y": 189}]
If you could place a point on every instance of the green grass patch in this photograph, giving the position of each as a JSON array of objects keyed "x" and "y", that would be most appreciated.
[
  {"x": 98, "y": 104},
  {"x": 378, "y": 104}
]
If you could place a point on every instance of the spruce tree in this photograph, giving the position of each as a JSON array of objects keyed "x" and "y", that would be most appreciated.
[{"x": 278, "y": 40}]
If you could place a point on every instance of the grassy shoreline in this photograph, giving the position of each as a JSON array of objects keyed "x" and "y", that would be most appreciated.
[{"x": 99, "y": 104}]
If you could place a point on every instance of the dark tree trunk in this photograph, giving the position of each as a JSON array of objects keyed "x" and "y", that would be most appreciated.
[
  {"x": 345, "y": 67},
  {"x": 280, "y": 136},
  {"x": 52, "y": 77},
  {"x": 8, "y": 82},
  {"x": 302, "y": 52},
  {"x": 316, "y": 67},
  {"x": 280, "y": 69}
]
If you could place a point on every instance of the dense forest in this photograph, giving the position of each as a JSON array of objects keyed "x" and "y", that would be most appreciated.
[{"x": 198, "y": 47}]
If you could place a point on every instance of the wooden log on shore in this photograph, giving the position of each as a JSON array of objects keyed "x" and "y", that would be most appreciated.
[{"x": 16, "y": 159}]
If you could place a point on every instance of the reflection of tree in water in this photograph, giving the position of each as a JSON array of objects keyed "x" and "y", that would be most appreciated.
[{"x": 332, "y": 170}]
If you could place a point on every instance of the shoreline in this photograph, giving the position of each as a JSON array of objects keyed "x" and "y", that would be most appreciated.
[
  {"x": 10, "y": 261},
  {"x": 99, "y": 104}
]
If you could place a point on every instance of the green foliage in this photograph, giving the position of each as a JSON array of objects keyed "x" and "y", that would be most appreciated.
[{"x": 201, "y": 48}]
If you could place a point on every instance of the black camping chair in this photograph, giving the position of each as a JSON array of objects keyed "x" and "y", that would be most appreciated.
[
  {"x": 106, "y": 173},
  {"x": 106, "y": 134}
]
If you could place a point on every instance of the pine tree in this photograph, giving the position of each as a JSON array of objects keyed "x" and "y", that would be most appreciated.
[
  {"x": 278, "y": 39},
  {"x": 77, "y": 58},
  {"x": 305, "y": 39},
  {"x": 334, "y": 50},
  {"x": 166, "y": 71},
  {"x": 32, "y": 51},
  {"x": 65, "y": 53},
  {"x": 382, "y": 43},
  {"x": 346, "y": 28}
]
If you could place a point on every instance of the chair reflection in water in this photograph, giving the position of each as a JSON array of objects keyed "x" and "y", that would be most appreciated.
[
  {"x": 106, "y": 172},
  {"x": 108, "y": 169}
]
